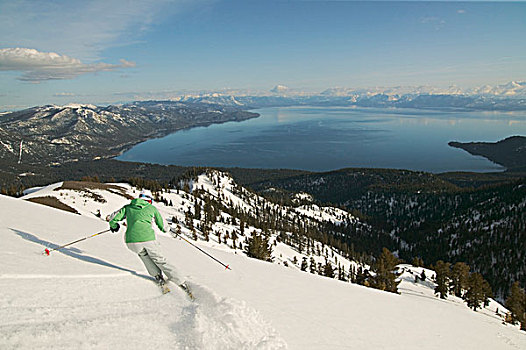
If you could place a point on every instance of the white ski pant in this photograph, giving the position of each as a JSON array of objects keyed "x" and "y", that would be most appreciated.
[{"x": 155, "y": 262}]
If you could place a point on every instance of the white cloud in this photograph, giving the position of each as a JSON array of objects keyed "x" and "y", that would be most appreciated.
[
  {"x": 64, "y": 94},
  {"x": 436, "y": 22},
  {"x": 79, "y": 28},
  {"x": 461, "y": 11},
  {"x": 38, "y": 66}
]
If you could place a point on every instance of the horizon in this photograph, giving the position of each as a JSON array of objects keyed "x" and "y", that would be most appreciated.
[{"x": 105, "y": 53}]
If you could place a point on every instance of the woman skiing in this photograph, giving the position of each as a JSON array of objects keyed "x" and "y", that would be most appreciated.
[{"x": 140, "y": 238}]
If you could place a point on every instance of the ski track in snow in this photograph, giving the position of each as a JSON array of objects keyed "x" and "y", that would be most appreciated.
[
  {"x": 142, "y": 318},
  {"x": 223, "y": 323}
]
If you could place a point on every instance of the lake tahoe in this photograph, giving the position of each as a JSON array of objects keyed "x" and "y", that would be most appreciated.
[{"x": 328, "y": 138}]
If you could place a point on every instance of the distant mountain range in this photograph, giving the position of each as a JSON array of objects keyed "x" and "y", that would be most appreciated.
[{"x": 507, "y": 97}]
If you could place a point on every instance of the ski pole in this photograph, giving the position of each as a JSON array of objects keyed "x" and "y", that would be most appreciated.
[
  {"x": 47, "y": 251},
  {"x": 227, "y": 267}
]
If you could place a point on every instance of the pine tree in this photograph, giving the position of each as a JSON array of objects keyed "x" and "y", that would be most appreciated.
[
  {"x": 488, "y": 293},
  {"x": 423, "y": 276},
  {"x": 304, "y": 264},
  {"x": 328, "y": 270},
  {"x": 516, "y": 305},
  {"x": 189, "y": 218},
  {"x": 206, "y": 232},
  {"x": 178, "y": 229},
  {"x": 441, "y": 278},
  {"x": 259, "y": 247},
  {"x": 197, "y": 211},
  {"x": 312, "y": 268},
  {"x": 475, "y": 293},
  {"x": 386, "y": 274},
  {"x": 234, "y": 238},
  {"x": 459, "y": 278},
  {"x": 360, "y": 277},
  {"x": 341, "y": 273},
  {"x": 352, "y": 274}
]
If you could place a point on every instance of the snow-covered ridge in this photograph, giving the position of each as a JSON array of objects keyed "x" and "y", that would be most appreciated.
[
  {"x": 78, "y": 105},
  {"x": 215, "y": 185}
]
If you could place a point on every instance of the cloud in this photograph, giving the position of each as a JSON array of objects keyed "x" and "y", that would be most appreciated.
[
  {"x": 436, "y": 22},
  {"x": 64, "y": 94},
  {"x": 39, "y": 66},
  {"x": 82, "y": 29},
  {"x": 461, "y": 11}
]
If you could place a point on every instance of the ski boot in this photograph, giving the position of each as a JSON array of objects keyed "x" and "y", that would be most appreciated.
[
  {"x": 186, "y": 289},
  {"x": 162, "y": 284}
]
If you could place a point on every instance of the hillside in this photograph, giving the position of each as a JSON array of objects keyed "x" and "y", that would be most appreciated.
[
  {"x": 97, "y": 293},
  {"x": 426, "y": 216},
  {"x": 510, "y": 152},
  {"x": 53, "y": 135}
]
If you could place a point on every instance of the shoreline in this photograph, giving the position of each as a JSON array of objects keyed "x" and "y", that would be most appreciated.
[
  {"x": 166, "y": 132},
  {"x": 141, "y": 156}
]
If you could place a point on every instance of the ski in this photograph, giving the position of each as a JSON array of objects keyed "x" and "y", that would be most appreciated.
[
  {"x": 164, "y": 288},
  {"x": 187, "y": 290}
]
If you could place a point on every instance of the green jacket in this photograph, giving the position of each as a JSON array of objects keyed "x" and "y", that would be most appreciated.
[{"x": 139, "y": 214}]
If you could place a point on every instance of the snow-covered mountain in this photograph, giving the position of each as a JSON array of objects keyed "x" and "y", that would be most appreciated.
[
  {"x": 97, "y": 294},
  {"x": 280, "y": 89},
  {"x": 58, "y": 134},
  {"x": 509, "y": 97},
  {"x": 511, "y": 89}
]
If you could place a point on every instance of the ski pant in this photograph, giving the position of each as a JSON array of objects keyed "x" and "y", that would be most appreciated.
[{"x": 155, "y": 262}]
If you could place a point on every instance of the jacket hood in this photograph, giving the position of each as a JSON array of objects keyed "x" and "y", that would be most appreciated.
[{"x": 139, "y": 203}]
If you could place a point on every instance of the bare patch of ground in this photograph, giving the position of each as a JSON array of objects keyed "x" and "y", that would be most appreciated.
[
  {"x": 53, "y": 202},
  {"x": 85, "y": 187}
]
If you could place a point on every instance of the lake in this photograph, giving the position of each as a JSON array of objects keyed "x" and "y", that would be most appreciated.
[{"x": 327, "y": 138}]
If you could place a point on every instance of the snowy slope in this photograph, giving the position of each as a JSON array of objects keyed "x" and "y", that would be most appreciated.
[
  {"x": 98, "y": 294},
  {"x": 219, "y": 186}
]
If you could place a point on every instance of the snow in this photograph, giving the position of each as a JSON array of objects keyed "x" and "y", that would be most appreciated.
[
  {"x": 97, "y": 293},
  {"x": 302, "y": 196},
  {"x": 8, "y": 146},
  {"x": 78, "y": 105}
]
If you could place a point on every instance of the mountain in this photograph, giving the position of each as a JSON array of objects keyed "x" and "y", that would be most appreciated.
[
  {"x": 513, "y": 88},
  {"x": 452, "y": 99},
  {"x": 97, "y": 294},
  {"x": 510, "y": 152},
  {"x": 280, "y": 89},
  {"x": 54, "y": 135},
  {"x": 426, "y": 216}
]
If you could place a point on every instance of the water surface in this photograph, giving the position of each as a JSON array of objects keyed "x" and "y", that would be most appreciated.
[{"x": 321, "y": 138}]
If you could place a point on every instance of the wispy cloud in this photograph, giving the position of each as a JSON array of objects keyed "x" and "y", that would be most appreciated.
[
  {"x": 39, "y": 66},
  {"x": 64, "y": 94},
  {"x": 82, "y": 29},
  {"x": 436, "y": 22}
]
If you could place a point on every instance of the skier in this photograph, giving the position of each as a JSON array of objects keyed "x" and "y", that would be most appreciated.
[{"x": 140, "y": 238}]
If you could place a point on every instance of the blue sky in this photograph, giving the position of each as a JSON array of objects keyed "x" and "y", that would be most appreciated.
[{"x": 113, "y": 51}]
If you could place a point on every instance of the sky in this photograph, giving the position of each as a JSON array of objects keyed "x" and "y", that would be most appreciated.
[{"x": 100, "y": 52}]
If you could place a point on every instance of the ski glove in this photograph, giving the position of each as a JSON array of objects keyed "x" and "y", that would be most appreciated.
[{"x": 115, "y": 229}]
